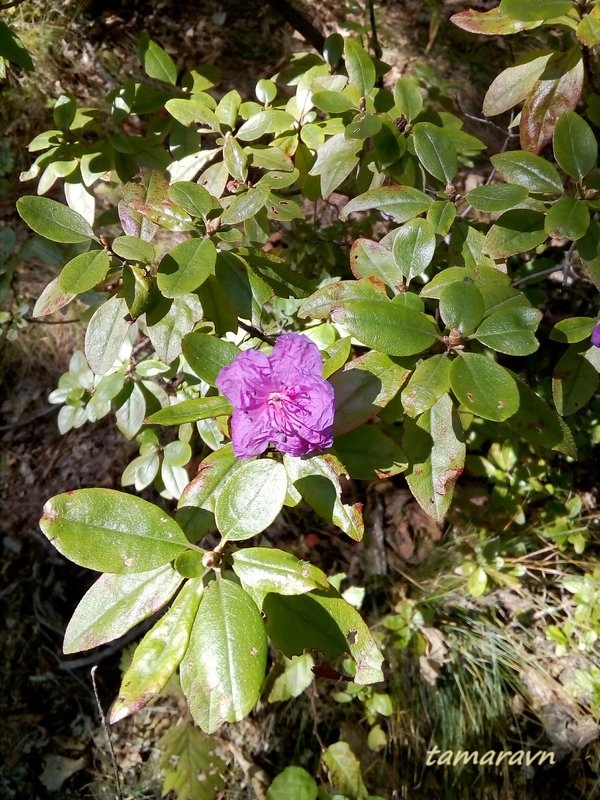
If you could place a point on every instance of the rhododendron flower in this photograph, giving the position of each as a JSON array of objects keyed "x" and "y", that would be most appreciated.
[
  {"x": 596, "y": 335},
  {"x": 280, "y": 399}
]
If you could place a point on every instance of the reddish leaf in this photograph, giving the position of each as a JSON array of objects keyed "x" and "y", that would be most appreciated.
[
  {"x": 491, "y": 23},
  {"x": 551, "y": 97}
]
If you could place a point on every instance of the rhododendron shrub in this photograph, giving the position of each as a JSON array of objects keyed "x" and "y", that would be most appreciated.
[{"x": 229, "y": 331}]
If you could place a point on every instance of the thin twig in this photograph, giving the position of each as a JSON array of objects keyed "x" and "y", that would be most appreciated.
[
  {"x": 256, "y": 332},
  {"x": 119, "y": 794},
  {"x": 374, "y": 39},
  {"x": 50, "y": 321}
]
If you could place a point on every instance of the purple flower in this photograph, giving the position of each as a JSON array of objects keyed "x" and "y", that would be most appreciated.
[
  {"x": 596, "y": 335},
  {"x": 280, "y": 398}
]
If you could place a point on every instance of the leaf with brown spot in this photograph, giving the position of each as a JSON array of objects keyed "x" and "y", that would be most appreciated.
[{"x": 557, "y": 91}]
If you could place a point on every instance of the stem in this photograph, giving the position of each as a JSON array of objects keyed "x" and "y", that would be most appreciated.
[
  {"x": 374, "y": 38},
  {"x": 299, "y": 22},
  {"x": 256, "y": 332}
]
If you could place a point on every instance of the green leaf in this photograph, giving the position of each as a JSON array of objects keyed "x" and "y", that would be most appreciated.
[
  {"x": 343, "y": 771},
  {"x": 296, "y": 677},
  {"x": 441, "y": 215},
  {"x": 156, "y": 63},
  {"x": 245, "y": 205},
  {"x": 435, "y": 151},
  {"x": 368, "y": 454},
  {"x": 251, "y": 499},
  {"x": 515, "y": 232},
  {"x": 529, "y": 170},
  {"x": 372, "y": 259},
  {"x": 429, "y": 381},
  {"x": 84, "y": 272},
  {"x": 130, "y": 415},
  {"x": 337, "y": 355},
  {"x": 141, "y": 471},
  {"x": 235, "y": 159},
  {"x": 401, "y": 203},
  {"x": 111, "y": 531},
  {"x": 484, "y": 387},
  {"x": 191, "y": 197},
  {"x": 190, "y": 411},
  {"x": 318, "y": 481},
  {"x": 568, "y": 217},
  {"x": 12, "y": 48},
  {"x": 325, "y": 300},
  {"x": 169, "y": 322},
  {"x": 574, "y": 382},
  {"x": 551, "y": 98},
  {"x": 105, "y": 334},
  {"x": 332, "y": 102},
  {"x": 364, "y": 388},
  {"x": 159, "y": 653},
  {"x": 588, "y": 30},
  {"x": 224, "y": 665},
  {"x": 207, "y": 354},
  {"x": 294, "y": 783},
  {"x": 335, "y": 161},
  {"x": 323, "y": 620},
  {"x": 510, "y": 331},
  {"x": 436, "y": 446},
  {"x": 513, "y": 85},
  {"x": 408, "y": 98},
  {"x": 363, "y": 126},
  {"x": 267, "y": 569},
  {"x": 541, "y": 9},
  {"x": 193, "y": 110},
  {"x": 493, "y": 284},
  {"x": 131, "y": 248},
  {"x": 184, "y": 268},
  {"x": 538, "y": 424},
  {"x": 575, "y": 145},
  {"x": 477, "y": 583},
  {"x": 359, "y": 66},
  {"x": 573, "y": 329},
  {"x": 414, "y": 246},
  {"x": 496, "y": 197},
  {"x": 53, "y": 220},
  {"x": 270, "y": 121},
  {"x": 115, "y": 603},
  {"x": 385, "y": 326},
  {"x": 461, "y": 306},
  {"x": 204, "y": 489}
]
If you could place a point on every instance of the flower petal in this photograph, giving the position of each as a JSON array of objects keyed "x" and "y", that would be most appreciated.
[
  {"x": 247, "y": 380},
  {"x": 295, "y": 355},
  {"x": 250, "y": 433}
]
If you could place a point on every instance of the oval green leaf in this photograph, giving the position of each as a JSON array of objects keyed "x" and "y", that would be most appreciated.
[
  {"x": 224, "y": 665},
  {"x": 111, "y": 531},
  {"x": 270, "y": 570},
  {"x": 414, "y": 246},
  {"x": 158, "y": 655},
  {"x": 484, "y": 387},
  {"x": 84, "y": 272},
  {"x": 115, "y": 603},
  {"x": 387, "y": 327},
  {"x": 53, "y": 220},
  {"x": 251, "y": 499}
]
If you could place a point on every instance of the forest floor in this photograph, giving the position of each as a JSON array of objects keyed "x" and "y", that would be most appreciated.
[{"x": 52, "y": 744}]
